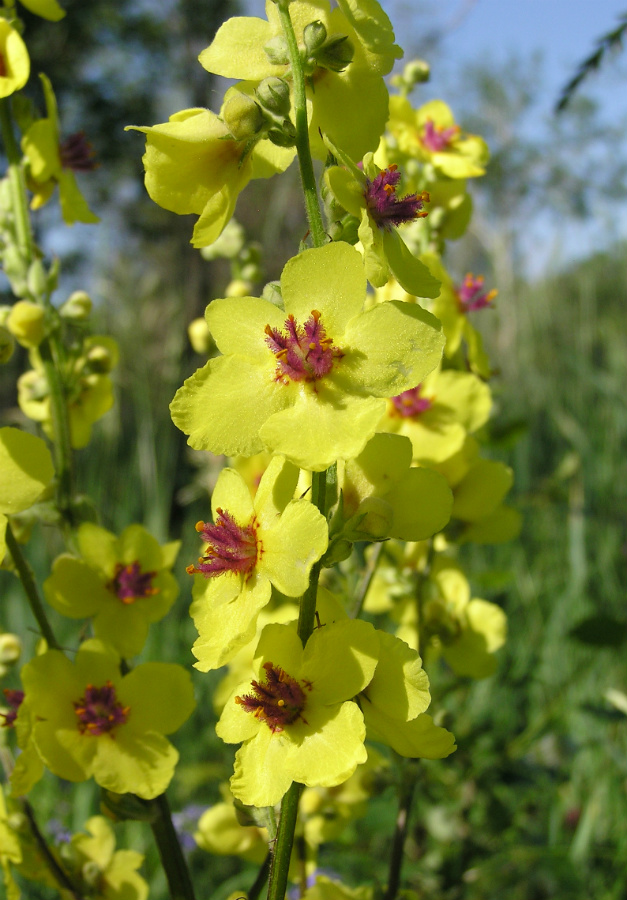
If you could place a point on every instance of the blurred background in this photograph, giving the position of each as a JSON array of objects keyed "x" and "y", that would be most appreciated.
[{"x": 534, "y": 802}]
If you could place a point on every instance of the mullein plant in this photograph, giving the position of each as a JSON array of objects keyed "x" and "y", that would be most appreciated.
[{"x": 349, "y": 396}]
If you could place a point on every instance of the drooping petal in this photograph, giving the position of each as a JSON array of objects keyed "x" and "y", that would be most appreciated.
[
  {"x": 419, "y": 738},
  {"x": 260, "y": 776},
  {"x": 340, "y": 660},
  {"x": 237, "y": 50},
  {"x": 26, "y": 469},
  {"x": 141, "y": 764},
  {"x": 422, "y": 503},
  {"x": 400, "y": 687},
  {"x": 410, "y": 272}
]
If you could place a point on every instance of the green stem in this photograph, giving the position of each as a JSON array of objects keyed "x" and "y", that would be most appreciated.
[
  {"x": 284, "y": 842},
  {"x": 172, "y": 859},
  {"x": 305, "y": 163},
  {"x": 58, "y": 873},
  {"x": 30, "y": 588},
  {"x": 49, "y": 348},
  {"x": 262, "y": 876},
  {"x": 16, "y": 183},
  {"x": 289, "y": 805},
  {"x": 406, "y": 795}
]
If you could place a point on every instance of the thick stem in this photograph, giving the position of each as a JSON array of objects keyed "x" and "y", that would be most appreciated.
[
  {"x": 405, "y": 799},
  {"x": 303, "y": 149},
  {"x": 262, "y": 876},
  {"x": 172, "y": 859},
  {"x": 30, "y": 589},
  {"x": 58, "y": 873},
  {"x": 284, "y": 842}
]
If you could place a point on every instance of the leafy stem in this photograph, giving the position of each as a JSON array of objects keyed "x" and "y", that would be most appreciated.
[{"x": 303, "y": 149}]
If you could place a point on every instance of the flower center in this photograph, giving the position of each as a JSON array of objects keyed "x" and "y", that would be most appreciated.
[
  {"x": 232, "y": 547},
  {"x": 129, "y": 583},
  {"x": 77, "y": 153},
  {"x": 410, "y": 404},
  {"x": 471, "y": 295},
  {"x": 437, "y": 139},
  {"x": 385, "y": 207},
  {"x": 14, "y": 699},
  {"x": 303, "y": 352},
  {"x": 99, "y": 711},
  {"x": 277, "y": 701}
]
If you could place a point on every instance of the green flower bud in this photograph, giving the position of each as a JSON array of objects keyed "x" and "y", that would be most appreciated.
[
  {"x": 7, "y": 345},
  {"x": 242, "y": 116},
  {"x": 10, "y": 649},
  {"x": 26, "y": 322},
  {"x": 200, "y": 336},
  {"x": 77, "y": 307},
  {"x": 37, "y": 278},
  {"x": 229, "y": 245},
  {"x": 336, "y": 54},
  {"x": 338, "y": 551},
  {"x": 285, "y": 136},
  {"x": 238, "y": 288},
  {"x": 128, "y": 806},
  {"x": 272, "y": 292},
  {"x": 14, "y": 266},
  {"x": 372, "y": 521},
  {"x": 277, "y": 51},
  {"x": 274, "y": 95},
  {"x": 99, "y": 360},
  {"x": 314, "y": 36},
  {"x": 91, "y": 873},
  {"x": 251, "y": 272}
]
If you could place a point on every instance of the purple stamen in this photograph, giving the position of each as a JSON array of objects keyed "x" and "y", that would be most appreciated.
[
  {"x": 303, "y": 353},
  {"x": 410, "y": 404},
  {"x": 99, "y": 711},
  {"x": 232, "y": 547},
  {"x": 278, "y": 701},
  {"x": 14, "y": 700},
  {"x": 470, "y": 294},
  {"x": 77, "y": 153},
  {"x": 129, "y": 583},
  {"x": 385, "y": 207},
  {"x": 438, "y": 139}
]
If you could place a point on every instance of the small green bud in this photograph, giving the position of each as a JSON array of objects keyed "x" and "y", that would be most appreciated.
[
  {"x": 14, "y": 265},
  {"x": 200, "y": 336},
  {"x": 277, "y": 51},
  {"x": 128, "y": 806},
  {"x": 77, "y": 307},
  {"x": 274, "y": 95},
  {"x": 7, "y": 345},
  {"x": 37, "y": 278},
  {"x": 228, "y": 245},
  {"x": 272, "y": 292},
  {"x": 242, "y": 116},
  {"x": 26, "y": 322},
  {"x": 336, "y": 54},
  {"x": 251, "y": 272},
  {"x": 314, "y": 36},
  {"x": 372, "y": 521},
  {"x": 339, "y": 550},
  {"x": 99, "y": 360},
  {"x": 91, "y": 873},
  {"x": 284, "y": 136}
]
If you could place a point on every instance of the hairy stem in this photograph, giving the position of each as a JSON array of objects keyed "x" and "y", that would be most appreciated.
[
  {"x": 284, "y": 842},
  {"x": 58, "y": 873},
  {"x": 30, "y": 589},
  {"x": 303, "y": 149}
]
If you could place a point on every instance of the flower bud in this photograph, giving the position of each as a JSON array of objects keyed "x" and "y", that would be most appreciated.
[
  {"x": 274, "y": 95},
  {"x": 7, "y": 345},
  {"x": 37, "y": 278},
  {"x": 77, "y": 307},
  {"x": 372, "y": 521},
  {"x": 99, "y": 360},
  {"x": 314, "y": 36},
  {"x": 26, "y": 323},
  {"x": 277, "y": 51},
  {"x": 200, "y": 336},
  {"x": 238, "y": 288},
  {"x": 228, "y": 245},
  {"x": 10, "y": 649},
  {"x": 242, "y": 116},
  {"x": 284, "y": 136},
  {"x": 272, "y": 293},
  {"x": 336, "y": 54},
  {"x": 91, "y": 873}
]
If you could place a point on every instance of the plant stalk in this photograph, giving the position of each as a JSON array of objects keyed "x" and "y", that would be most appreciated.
[
  {"x": 30, "y": 589},
  {"x": 170, "y": 852},
  {"x": 406, "y": 795},
  {"x": 314, "y": 216}
]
